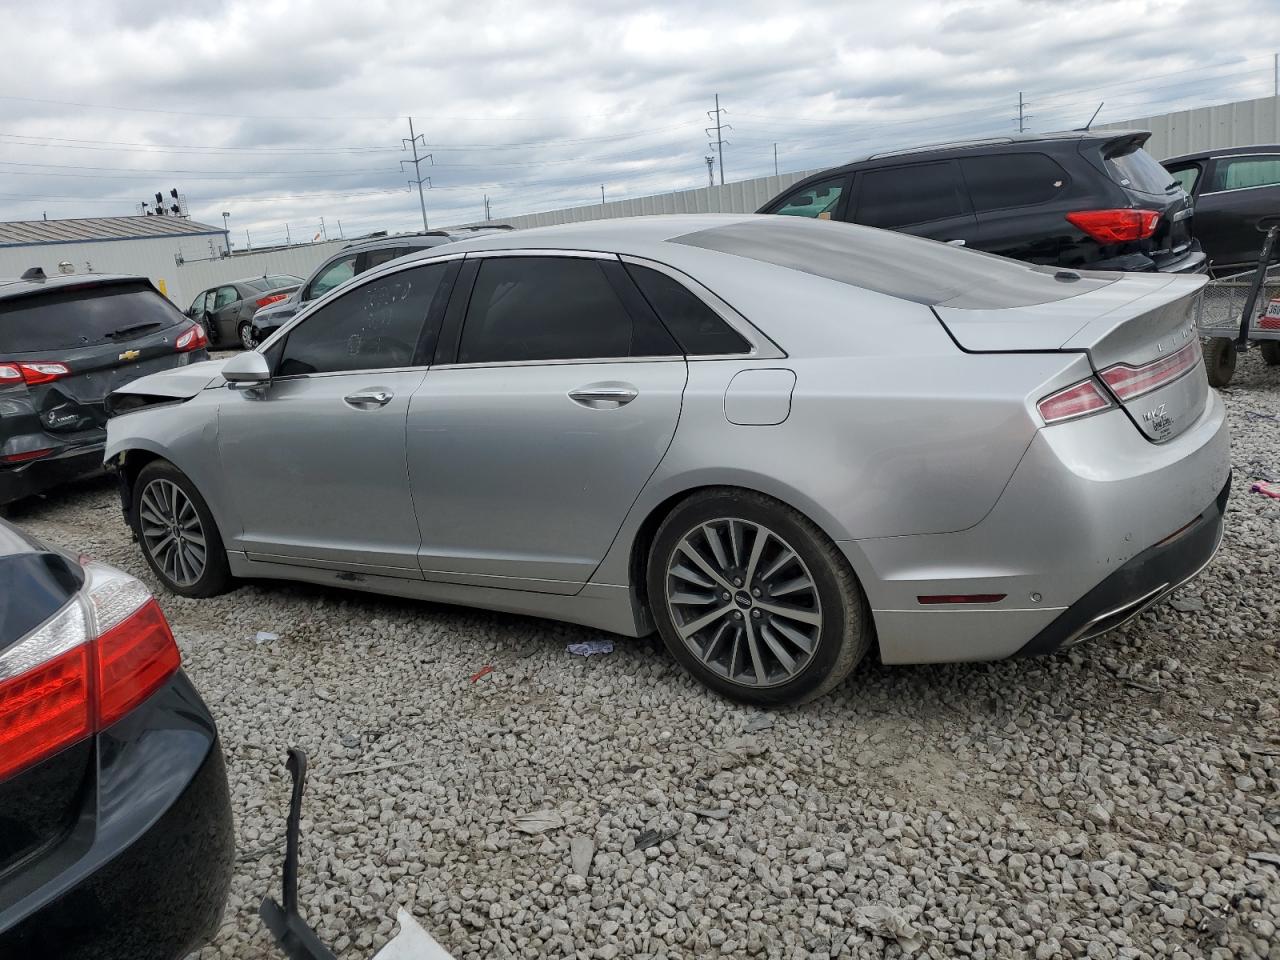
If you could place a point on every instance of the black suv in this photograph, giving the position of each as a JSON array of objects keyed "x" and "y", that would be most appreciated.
[
  {"x": 65, "y": 343},
  {"x": 1091, "y": 200}
]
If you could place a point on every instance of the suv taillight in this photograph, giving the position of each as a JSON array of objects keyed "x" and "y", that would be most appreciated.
[
  {"x": 269, "y": 298},
  {"x": 33, "y": 372},
  {"x": 193, "y": 339},
  {"x": 1116, "y": 226},
  {"x": 91, "y": 663}
]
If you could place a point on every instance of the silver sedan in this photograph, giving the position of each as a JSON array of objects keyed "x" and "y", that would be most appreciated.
[{"x": 780, "y": 442}]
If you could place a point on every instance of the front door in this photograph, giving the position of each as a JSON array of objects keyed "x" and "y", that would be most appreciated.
[
  {"x": 526, "y": 453},
  {"x": 316, "y": 461}
]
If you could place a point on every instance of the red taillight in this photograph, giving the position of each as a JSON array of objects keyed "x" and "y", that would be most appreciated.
[
  {"x": 1078, "y": 400},
  {"x": 26, "y": 455},
  {"x": 1116, "y": 226},
  {"x": 269, "y": 298},
  {"x": 82, "y": 670},
  {"x": 193, "y": 339},
  {"x": 44, "y": 710},
  {"x": 38, "y": 371},
  {"x": 1128, "y": 382}
]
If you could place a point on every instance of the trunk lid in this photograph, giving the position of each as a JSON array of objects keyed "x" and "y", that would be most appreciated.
[{"x": 1140, "y": 333}]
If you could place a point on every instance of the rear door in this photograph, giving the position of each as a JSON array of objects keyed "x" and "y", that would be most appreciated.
[
  {"x": 1236, "y": 193},
  {"x": 528, "y": 447},
  {"x": 316, "y": 460},
  {"x": 925, "y": 199},
  {"x": 78, "y": 344},
  {"x": 1020, "y": 200}
]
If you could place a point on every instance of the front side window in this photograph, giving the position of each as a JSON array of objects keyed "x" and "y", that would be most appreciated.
[
  {"x": 902, "y": 196},
  {"x": 375, "y": 326},
  {"x": 197, "y": 305},
  {"x": 699, "y": 330},
  {"x": 1012, "y": 180},
  {"x": 337, "y": 272},
  {"x": 1238, "y": 173},
  {"x": 552, "y": 308},
  {"x": 818, "y": 201},
  {"x": 1187, "y": 177},
  {"x": 226, "y": 296}
]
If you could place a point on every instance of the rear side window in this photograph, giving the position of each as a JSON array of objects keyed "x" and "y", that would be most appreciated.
[
  {"x": 552, "y": 308},
  {"x": 902, "y": 196},
  {"x": 1135, "y": 169},
  {"x": 375, "y": 326},
  {"x": 79, "y": 318},
  {"x": 1012, "y": 180},
  {"x": 819, "y": 201},
  {"x": 699, "y": 330},
  {"x": 1238, "y": 173}
]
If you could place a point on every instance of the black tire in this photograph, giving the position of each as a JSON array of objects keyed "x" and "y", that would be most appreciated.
[
  {"x": 215, "y": 577},
  {"x": 1220, "y": 361},
  {"x": 844, "y": 635},
  {"x": 1270, "y": 350},
  {"x": 247, "y": 339}
]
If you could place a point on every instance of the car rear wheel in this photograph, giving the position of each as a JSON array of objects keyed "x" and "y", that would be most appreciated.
[
  {"x": 1270, "y": 352},
  {"x": 754, "y": 600},
  {"x": 1220, "y": 361},
  {"x": 177, "y": 534},
  {"x": 247, "y": 339}
]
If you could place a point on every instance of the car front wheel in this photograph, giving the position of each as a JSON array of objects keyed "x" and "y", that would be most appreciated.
[
  {"x": 754, "y": 600},
  {"x": 247, "y": 339},
  {"x": 177, "y": 534}
]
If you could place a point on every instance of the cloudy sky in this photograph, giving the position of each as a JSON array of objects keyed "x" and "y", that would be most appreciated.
[{"x": 282, "y": 113}]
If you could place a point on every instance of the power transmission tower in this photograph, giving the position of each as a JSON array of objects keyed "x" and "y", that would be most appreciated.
[
  {"x": 419, "y": 179},
  {"x": 1023, "y": 116},
  {"x": 775, "y": 159},
  {"x": 717, "y": 115},
  {"x": 711, "y": 170}
]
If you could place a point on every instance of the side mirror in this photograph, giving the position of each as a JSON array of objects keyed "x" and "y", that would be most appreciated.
[{"x": 246, "y": 370}]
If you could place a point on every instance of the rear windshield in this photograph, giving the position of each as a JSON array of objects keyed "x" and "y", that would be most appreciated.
[
  {"x": 83, "y": 317},
  {"x": 1135, "y": 169},
  {"x": 897, "y": 264},
  {"x": 270, "y": 283}
]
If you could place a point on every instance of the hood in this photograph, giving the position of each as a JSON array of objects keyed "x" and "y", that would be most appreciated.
[{"x": 179, "y": 383}]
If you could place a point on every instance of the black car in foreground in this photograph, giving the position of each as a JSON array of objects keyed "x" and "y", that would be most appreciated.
[
  {"x": 115, "y": 820},
  {"x": 1086, "y": 200},
  {"x": 1235, "y": 189},
  {"x": 65, "y": 344}
]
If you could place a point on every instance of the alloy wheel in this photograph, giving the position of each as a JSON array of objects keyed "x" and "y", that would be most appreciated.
[
  {"x": 247, "y": 339},
  {"x": 744, "y": 602},
  {"x": 172, "y": 532}
]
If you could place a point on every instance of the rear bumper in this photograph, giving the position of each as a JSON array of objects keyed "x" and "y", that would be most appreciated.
[
  {"x": 1191, "y": 261},
  {"x": 143, "y": 872},
  {"x": 36, "y": 476}
]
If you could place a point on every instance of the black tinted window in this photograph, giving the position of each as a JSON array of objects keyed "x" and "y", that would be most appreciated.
[
  {"x": 818, "y": 200},
  {"x": 78, "y": 318},
  {"x": 375, "y": 326},
  {"x": 698, "y": 329},
  {"x": 1135, "y": 169},
  {"x": 1012, "y": 180},
  {"x": 552, "y": 308},
  {"x": 375, "y": 258},
  {"x": 901, "y": 196},
  {"x": 33, "y": 587}
]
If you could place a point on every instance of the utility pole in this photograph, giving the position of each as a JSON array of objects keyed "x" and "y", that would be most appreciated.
[
  {"x": 419, "y": 179},
  {"x": 226, "y": 232},
  {"x": 717, "y": 116},
  {"x": 487, "y": 217},
  {"x": 1275, "y": 60},
  {"x": 323, "y": 232},
  {"x": 288, "y": 240},
  {"x": 711, "y": 170},
  {"x": 340, "y": 236},
  {"x": 248, "y": 241},
  {"x": 602, "y": 194},
  {"x": 775, "y": 159},
  {"x": 1023, "y": 116}
]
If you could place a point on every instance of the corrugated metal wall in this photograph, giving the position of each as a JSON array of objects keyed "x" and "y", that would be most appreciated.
[
  {"x": 1236, "y": 124},
  {"x": 190, "y": 278}
]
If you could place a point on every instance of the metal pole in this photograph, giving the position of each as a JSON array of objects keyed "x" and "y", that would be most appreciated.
[
  {"x": 226, "y": 233},
  {"x": 288, "y": 240},
  {"x": 417, "y": 173},
  {"x": 248, "y": 241},
  {"x": 1275, "y": 59},
  {"x": 719, "y": 140},
  {"x": 775, "y": 159},
  {"x": 602, "y": 194},
  {"x": 323, "y": 232},
  {"x": 1021, "y": 125},
  {"x": 340, "y": 236}
]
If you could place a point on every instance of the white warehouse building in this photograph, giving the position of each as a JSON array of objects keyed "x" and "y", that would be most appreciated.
[{"x": 153, "y": 247}]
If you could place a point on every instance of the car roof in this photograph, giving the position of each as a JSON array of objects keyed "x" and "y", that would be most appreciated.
[
  {"x": 1225, "y": 152},
  {"x": 11, "y": 287}
]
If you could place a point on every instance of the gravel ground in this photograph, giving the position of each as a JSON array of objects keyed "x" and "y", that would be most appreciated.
[{"x": 1102, "y": 803}]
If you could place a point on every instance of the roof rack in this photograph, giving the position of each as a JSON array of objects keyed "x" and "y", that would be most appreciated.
[{"x": 929, "y": 147}]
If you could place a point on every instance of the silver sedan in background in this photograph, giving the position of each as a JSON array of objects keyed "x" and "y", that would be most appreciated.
[{"x": 780, "y": 442}]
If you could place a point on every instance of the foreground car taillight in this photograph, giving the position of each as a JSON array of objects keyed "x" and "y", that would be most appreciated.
[
  {"x": 1128, "y": 382},
  {"x": 1116, "y": 226},
  {"x": 31, "y": 373},
  {"x": 269, "y": 299},
  {"x": 99, "y": 657},
  {"x": 1078, "y": 400},
  {"x": 193, "y": 339}
]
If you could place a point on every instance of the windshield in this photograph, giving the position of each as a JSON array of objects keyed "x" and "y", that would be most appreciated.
[
  {"x": 1135, "y": 169},
  {"x": 82, "y": 317}
]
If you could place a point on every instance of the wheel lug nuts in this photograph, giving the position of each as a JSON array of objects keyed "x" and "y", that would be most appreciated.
[
  {"x": 737, "y": 581},
  {"x": 737, "y": 614},
  {"x": 755, "y": 614},
  {"x": 725, "y": 595},
  {"x": 755, "y": 592}
]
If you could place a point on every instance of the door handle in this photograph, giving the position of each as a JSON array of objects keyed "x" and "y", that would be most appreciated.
[
  {"x": 367, "y": 399},
  {"x": 604, "y": 396}
]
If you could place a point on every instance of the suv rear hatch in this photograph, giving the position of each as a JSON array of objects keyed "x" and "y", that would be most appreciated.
[
  {"x": 64, "y": 349},
  {"x": 1139, "y": 331},
  {"x": 1148, "y": 186}
]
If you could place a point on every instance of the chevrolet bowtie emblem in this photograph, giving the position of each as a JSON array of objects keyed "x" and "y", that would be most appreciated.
[{"x": 131, "y": 355}]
